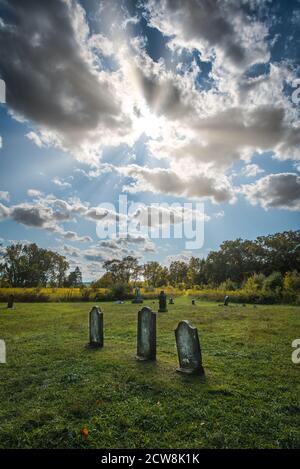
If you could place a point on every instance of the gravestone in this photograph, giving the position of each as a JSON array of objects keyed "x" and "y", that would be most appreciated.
[
  {"x": 96, "y": 327},
  {"x": 188, "y": 348},
  {"x": 171, "y": 301},
  {"x": 146, "y": 335},
  {"x": 2, "y": 351},
  {"x": 162, "y": 302},
  {"x": 193, "y": 302},
  {"x": 226, "y": 300},
  {"x": 137, "y": 298},
  {"x": 10, "y": 302}
]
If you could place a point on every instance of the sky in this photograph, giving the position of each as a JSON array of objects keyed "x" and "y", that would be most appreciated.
[{"x": 190, "y": 108}]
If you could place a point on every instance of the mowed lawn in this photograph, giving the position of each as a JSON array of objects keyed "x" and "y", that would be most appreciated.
[{"x": 53, "y": 385}]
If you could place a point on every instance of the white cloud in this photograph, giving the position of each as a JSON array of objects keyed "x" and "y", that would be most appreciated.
[
  {"x": 221, "y": 29},
  {"x": 183, "y": 256},
  {"x": 34, "y": 193},
  {"x": 33, "y": 136},
  {"x": 275, "y": 191},
  {"x": 169, "y": 182},
  {"x": 61, "y": 183},
  {"x": 4, "y": 195},
  {"x": 252, "y": 170},
  {"x": 74, "y": 105},
  {"x": 73, "y": 102},
  {"x": 46, "y": 213}
]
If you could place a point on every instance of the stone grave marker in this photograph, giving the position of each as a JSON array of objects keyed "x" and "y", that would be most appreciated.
[
  {"x": 146, "y": 335},
  {"x": 162, "y": 302},
  {"x": 96, "y": 327},
  {"x": 2, "y": 351},
  {"x": 138, "y": 298},
  {"x": 10, "y": 302},
  {"x": 188, "y": 348}
]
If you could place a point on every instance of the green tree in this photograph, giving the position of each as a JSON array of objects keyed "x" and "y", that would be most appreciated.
[
  {"x": 280, "y": 252},
  {"x": 235, "y": 260},
  {"x": 195, "y": 273},
  {"x": 291, "y": 281},
  {"x": 254, "y": 284},
  {"x": 106, "y": 281},
  {"x": 178, "y": 271},
  {"x": 155, "y": 275},
  {"x": 123, "y": 270},
  {"x": 30, "y": 266},
  {"x": 74, "y": 279},
  {"x": 273, "y": 282}
]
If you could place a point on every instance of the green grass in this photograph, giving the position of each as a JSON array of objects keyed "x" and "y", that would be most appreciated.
[{"x": 52, "y": 385}]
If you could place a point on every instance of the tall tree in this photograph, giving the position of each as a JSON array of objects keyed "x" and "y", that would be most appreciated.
[
  {"x": 74, "y": 278},
  {"x": 123, "y": 270},
  {"x": 178, "y": 273},
  {"x": 195, "y": 273},
  {"x": 30, "y": 266},
  {"x": 155, "y": 275}
]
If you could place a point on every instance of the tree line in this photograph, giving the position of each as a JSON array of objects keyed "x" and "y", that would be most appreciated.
[
  {"x": 27, "y": 265},
  {"x": 231, "y": 265},
  {"x": 263, "y": 261}
]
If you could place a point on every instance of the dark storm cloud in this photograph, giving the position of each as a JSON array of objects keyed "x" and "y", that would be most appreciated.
[
  {"x": 167, "y": 181},
  {"x": 29, "y": 216},
  {"x": 40, "y": 215},
  {"x": 215, "y": 23},
  {"x": 275, "y": 191},
  {"x": 48, "y": 78}
]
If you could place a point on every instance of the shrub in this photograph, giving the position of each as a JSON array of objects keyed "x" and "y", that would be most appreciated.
[
  {"x": 228, "y": 285},
  {"x": 254, "y": 284},
  {"x": 273, "y": 282},
  {"x": 121, "y": 291},
  {"x": 291, "y": 281}
]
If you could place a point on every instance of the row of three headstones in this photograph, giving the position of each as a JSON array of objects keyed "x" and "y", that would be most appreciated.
[{"x": 187, "y": 340}]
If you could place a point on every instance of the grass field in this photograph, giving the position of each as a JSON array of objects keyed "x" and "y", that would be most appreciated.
[{"x": 53, "y": 386}]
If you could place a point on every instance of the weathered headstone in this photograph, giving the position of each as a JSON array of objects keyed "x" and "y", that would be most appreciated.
[
  {"x": 188, "y": 348},
  {"x": 137, "y": 298},
  {"x": 96, "y": 327},
  {"x": 171, "y": 301},
  {"x": 2, "y": 351},
  {"x": 162, "y": 302},
  {"x": 10, "y": 302},
  {"x": 193, "y": 301},
  {"x": 146, "y": 335},
  {"x": 226, "y": 300}
]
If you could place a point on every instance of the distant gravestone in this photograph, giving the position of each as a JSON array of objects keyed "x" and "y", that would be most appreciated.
[
  {"x": 96, "y": 327},
  {"x": 171, "y": 301},
  {"x": 162, "y": 302},
  {"x": 193, "y": 301},
  {"x": 146, "y": 335},
  {"x": 2, "y": 351},
  {"x": 10, "y": 302},
  {"x": 188, "y": 348},
  {"x": 226, "y": 300},
  {"x": 137, "y": 298}
]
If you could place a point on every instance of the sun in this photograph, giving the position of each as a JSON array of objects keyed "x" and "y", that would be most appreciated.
[{"x": 148, "y": 123}]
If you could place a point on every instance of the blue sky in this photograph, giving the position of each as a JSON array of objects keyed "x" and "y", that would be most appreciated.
[{"x": 167, "y": 102}]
